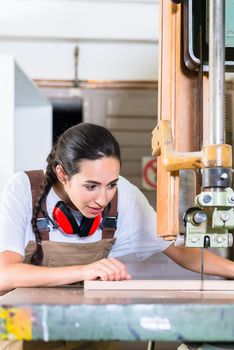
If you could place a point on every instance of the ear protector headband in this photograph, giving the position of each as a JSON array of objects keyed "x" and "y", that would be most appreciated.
[{"x": 66, "y": 221}]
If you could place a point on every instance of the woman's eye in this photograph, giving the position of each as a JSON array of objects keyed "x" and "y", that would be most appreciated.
[
  {"x": 112, "y": 185},
  {"x": 90, "y": 187}
]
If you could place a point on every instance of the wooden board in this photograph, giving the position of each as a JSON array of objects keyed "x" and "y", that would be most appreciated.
[{"x": 182, "y": 285}]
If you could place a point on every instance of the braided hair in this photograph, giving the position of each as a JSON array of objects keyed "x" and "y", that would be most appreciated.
[{"x": 83, "y": 141}]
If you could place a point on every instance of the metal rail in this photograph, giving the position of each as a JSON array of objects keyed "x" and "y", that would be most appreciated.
[{"x": 216, "y": 71}]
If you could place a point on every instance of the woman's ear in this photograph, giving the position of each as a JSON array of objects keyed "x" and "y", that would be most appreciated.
[{"x": 62, "y": 177}]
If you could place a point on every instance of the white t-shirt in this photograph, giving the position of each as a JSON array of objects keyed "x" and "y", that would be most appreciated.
[{"x": 136, "y": 226}]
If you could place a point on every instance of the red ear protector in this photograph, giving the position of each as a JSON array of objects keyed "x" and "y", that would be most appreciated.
[{"x": 66, "y": 221}]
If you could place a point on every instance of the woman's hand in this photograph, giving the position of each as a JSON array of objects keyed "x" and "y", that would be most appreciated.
[
  {"x": 14, "y": 273},
  {"x": 109, "y": 269}
]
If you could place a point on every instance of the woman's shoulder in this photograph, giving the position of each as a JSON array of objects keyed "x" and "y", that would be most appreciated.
[
  {"x": 123, "y": 183},
  {"x": 17, "y": 184},
  {"x": 127, "y": 191},
  {"x": 19, "y": 178},
  {"x": 127, "y": 187}
]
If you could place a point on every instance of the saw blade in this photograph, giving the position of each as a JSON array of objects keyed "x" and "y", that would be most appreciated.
[{"x": 202, "y": 269}]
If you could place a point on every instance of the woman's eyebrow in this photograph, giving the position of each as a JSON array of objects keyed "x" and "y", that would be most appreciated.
[
  {"x": 113, "y": 181},
  {"x": 98, "y": 183},
  {"x": 92, "y": 182}
]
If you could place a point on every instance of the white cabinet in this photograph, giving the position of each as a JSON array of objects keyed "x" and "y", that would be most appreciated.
[{"x": 25, "y": 121}]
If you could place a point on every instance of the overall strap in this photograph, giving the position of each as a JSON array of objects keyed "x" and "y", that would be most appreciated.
[
  {"x": 109, "y": 223},
  {"x": 36, "y": 178}
]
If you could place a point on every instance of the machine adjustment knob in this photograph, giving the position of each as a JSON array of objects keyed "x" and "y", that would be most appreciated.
[{"x": 199, "y": 217}]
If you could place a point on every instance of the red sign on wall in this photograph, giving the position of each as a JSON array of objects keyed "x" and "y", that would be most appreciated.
[{"x": 149, "y": 173}]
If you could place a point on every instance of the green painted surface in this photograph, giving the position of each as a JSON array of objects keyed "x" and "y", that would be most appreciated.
[
  {"x": 162, "y": 322},
  {"x": 229, "y": 23}
]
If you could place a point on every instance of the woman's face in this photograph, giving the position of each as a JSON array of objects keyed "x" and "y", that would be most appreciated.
[{"x": 94, "y": 186}]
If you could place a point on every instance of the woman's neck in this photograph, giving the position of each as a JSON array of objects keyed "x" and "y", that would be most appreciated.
[{"x": 59, "y": 190}]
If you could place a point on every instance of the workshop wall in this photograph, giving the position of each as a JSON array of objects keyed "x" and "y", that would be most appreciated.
[{"x": 117, "y": 39}]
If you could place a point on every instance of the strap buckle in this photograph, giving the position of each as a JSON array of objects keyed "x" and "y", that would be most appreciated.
[
  {"x": 109, "y": 222},
  {"x": 43, "y": 224}
]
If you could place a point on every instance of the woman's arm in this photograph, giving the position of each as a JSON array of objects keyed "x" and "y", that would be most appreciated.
[
  {"x": 190, "y": 258},
  {"x": 14, "y": 273}
]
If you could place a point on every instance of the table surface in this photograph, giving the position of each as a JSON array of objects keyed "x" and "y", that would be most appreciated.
[{"x": 71, "y": 313}]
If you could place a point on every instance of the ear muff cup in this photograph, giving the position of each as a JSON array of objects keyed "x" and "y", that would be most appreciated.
[
  {"x": 89, "y": 226},
  {"x": 66, "y": 221}
]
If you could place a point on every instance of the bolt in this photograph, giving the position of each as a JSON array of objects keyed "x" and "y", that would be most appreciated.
[
  {"x": 224, "y": 176},
  {"x": 194, "y": 239},
  {"x": 219, "y": 239},
  {"x": 199, "y": 217},
  {"x": 207, "y": 198},
  {"x": 224, "y": 217},
  {"x": 231, "y": 199}
]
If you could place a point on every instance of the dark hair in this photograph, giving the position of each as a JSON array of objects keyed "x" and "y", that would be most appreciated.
[{"x": 83, "y": 141}]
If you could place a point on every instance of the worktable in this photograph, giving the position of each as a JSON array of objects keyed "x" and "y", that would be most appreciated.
[{"x": 72, "y": 313}]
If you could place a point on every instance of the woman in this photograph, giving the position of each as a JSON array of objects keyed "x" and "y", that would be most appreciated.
[{"x": 82, "y": 175}]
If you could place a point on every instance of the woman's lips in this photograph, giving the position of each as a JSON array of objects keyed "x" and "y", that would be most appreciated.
[{"x": 94, "y": 210}]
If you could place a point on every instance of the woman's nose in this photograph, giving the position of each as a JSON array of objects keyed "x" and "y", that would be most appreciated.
[{"x": 102, "y": 199}]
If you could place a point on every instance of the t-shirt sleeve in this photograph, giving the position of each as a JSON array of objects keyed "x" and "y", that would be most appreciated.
[
  {"x": 15, "y": 213},
  {"x": 137, "y": 225}
]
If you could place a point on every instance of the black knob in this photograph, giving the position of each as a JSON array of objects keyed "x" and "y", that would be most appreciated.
[{"x": 206, "y": 242}]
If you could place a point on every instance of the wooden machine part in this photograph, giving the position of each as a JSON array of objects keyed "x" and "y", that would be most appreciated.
[
  {"x": 198, "y": 134},
  {"x": 179, "y": 102}
]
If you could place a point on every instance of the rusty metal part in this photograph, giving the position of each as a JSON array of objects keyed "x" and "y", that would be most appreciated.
[{"x": 172, "y": 160}]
